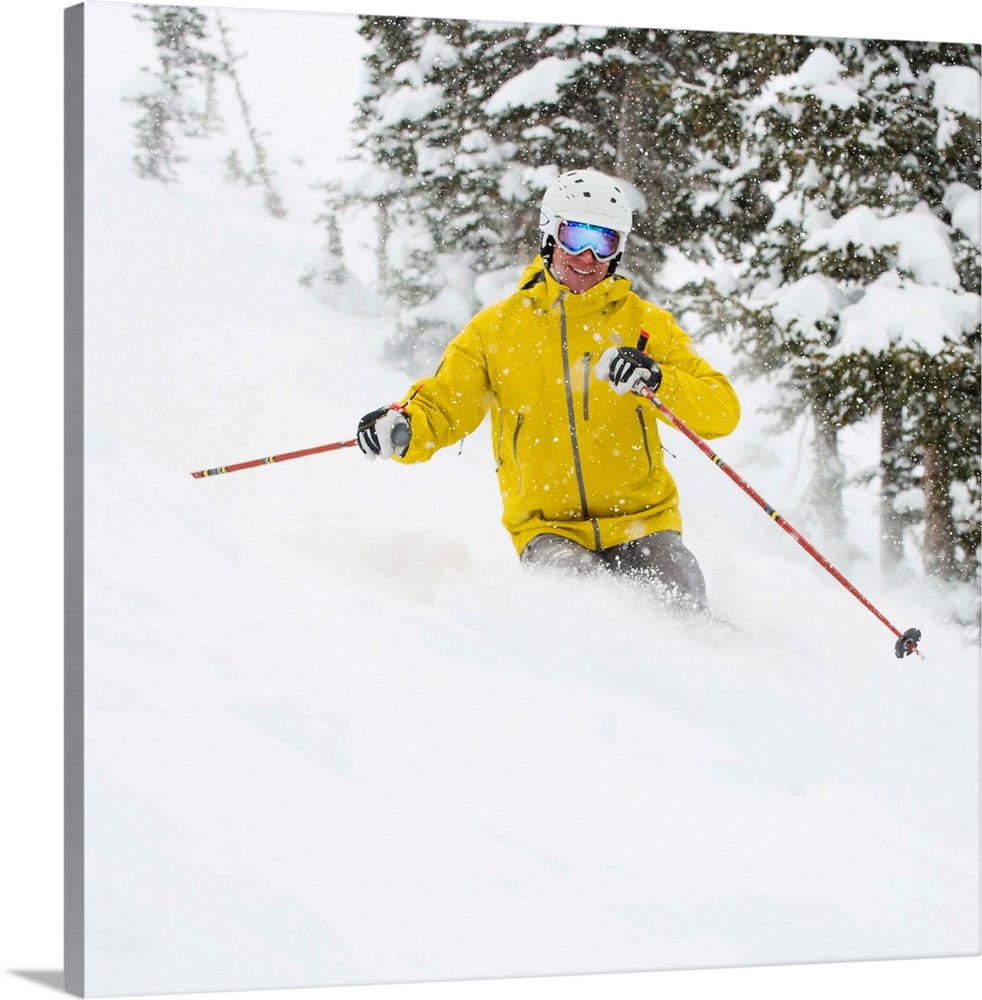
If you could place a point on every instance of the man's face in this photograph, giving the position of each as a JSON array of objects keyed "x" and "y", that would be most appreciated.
[{"x": 578, "y": 272}]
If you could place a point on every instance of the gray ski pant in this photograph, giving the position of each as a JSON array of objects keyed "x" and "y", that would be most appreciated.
[{"x": 661, "y": 560}]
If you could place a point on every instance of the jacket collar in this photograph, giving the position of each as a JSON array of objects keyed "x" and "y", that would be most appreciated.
[{"x": 538, "y": 283}]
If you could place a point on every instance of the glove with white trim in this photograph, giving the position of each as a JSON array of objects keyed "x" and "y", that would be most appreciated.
[
  {"x": 385, "y": 432},
  {"x": 626, "y": 368}
]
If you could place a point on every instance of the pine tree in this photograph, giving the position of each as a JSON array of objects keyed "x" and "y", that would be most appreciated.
[
  {"x": 260, "y": 172},
  {"x": 182, "y": 101},
  {"x": 400, "y": 126},
  {"x": 851, "y": 155},
  {"x": 468, "y": 122},
  {"x": 751, "y": 157}
]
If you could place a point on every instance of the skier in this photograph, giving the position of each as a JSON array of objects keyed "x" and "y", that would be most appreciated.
[{"x": 579, "y": 458}]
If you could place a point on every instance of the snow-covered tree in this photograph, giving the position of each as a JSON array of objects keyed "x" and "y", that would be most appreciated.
[
  {"x": 855, "y": 278},
  {"x": 259, "y": 173},
  {"x": 468, "y": 123},
  {"x": 823, "y": 194},
  {"x": 183, "y": 97},
  {"x": 405, "y": 118}
]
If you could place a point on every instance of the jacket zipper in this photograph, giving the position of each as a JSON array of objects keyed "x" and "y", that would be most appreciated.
[
  {"x": 644, "y": 435},
  {"x": 571, "y": 412},
  {"x": 586, "y": 386},
  {"x": 514, "y": 448}
]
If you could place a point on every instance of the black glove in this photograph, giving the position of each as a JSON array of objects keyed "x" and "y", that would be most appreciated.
[
  {"x": 626, "y": 367},
  {"x": 384, "y": 432}
]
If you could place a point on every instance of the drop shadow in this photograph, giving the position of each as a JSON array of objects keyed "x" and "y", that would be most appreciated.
[{"x": 54, "y": 978}]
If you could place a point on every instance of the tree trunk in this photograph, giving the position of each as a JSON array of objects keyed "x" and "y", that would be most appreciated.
[
  {"x": 382, "y": 246},
  {"x": 631, "y": 131},
  {"x": 939, "y": 526},
  {"x": 891, "y": 524}
]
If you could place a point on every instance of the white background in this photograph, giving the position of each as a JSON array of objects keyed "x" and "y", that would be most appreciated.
[{"x": 30, "y": 703}]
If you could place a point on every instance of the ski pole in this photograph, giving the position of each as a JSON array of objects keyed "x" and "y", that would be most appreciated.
[
  {"x": 222, "y": 469},
  {"x": 906, "y": 641}
]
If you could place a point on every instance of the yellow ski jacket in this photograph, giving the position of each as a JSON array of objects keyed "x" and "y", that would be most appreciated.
[{"x": 574, "y": 458}]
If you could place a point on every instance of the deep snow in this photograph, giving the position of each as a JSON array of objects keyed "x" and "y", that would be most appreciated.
[{"x": 335, "y": 735}]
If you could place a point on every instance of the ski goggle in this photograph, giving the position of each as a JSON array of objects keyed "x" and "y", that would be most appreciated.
[{"x": 575, "y": 237}]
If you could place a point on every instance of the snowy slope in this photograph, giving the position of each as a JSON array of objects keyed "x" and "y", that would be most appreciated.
[{"x": 336, "y": 736}]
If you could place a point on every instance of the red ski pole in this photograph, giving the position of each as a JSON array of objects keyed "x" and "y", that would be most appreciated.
[
  {"x": 222, "y": 469},
  {"x": 906, "y": 641}
]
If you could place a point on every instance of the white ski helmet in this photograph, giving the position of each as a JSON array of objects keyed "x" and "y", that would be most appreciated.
[{"x": 585, "y": 196}]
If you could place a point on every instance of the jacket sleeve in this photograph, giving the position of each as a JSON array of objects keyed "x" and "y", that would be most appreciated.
[
  {"x": 691, "y": 388},
  {"x": 453, "y": 401}
]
